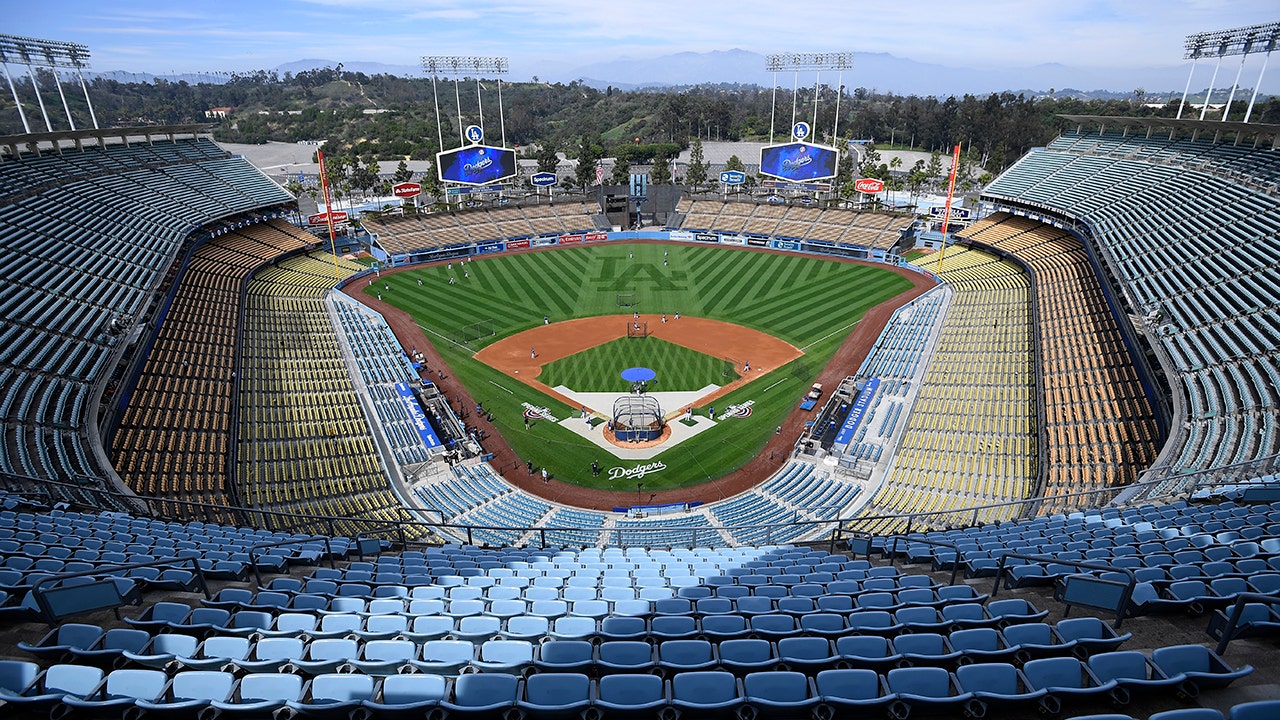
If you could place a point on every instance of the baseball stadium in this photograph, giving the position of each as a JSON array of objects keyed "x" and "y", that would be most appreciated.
[{"x": 768, "y": 454}]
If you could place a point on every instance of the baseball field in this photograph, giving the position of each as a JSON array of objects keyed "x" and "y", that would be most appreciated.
[{"x": 808, "y": 302}]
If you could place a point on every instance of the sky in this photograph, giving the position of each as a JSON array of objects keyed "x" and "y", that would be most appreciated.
[{"x": 546, "y": 37}]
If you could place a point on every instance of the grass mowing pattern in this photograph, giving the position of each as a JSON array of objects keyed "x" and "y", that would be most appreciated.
[
  {"x": 677, "y": 367},
  {"x": 808, "y": 301}
]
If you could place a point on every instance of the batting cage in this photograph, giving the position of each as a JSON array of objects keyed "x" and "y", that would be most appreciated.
[
  {"x": 625, "y": 299},
  {"x": 637, "y": 328},
  {"x": 637, "y": 418}
]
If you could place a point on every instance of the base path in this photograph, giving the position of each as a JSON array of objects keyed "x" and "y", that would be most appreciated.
[
  {"x": 852, "y": 352},
  {"x": 513, "y": 355}
]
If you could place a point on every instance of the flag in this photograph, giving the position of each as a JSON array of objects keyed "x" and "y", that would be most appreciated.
[{"x": 600, "y": 172}]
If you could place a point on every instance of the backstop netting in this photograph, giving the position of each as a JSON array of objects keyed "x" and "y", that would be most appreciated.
[
  {"x": 475, "y": 331},
  {"x": 625, "y": 300},
  {"x": 637, "y": 328},
  {"x": 637, "y": 418}
]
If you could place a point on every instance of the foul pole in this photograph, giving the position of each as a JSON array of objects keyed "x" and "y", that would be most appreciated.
[
  {"x": 946, "y": 214},
  {"x": 328, "y": 216}
]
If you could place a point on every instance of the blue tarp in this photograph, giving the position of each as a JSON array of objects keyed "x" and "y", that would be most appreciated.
[
  {"x": 419, "y": 418},
  {"x": 638, "y": 374},
  {"x": 854, "y": 418}
]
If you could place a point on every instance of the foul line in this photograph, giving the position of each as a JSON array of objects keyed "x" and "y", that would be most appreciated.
[
  {"x": 509, "y": 392},
  {"x": 426, "y": 329},
  {"x": 775, "y": 384},
  {"x": 833, "y": 332}
]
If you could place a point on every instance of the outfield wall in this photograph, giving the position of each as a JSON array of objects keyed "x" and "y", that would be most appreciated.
[{"x": 811, "y": 247}]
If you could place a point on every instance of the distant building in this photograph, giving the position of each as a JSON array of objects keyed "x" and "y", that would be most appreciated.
[{"x": 219, "y": 112}]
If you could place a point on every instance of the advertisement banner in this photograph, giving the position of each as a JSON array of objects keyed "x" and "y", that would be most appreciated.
[
  {"x": 517, "y": 244},
  {"x": 489, "y": 248},
  {"x": 733, "y": 240},
  {"x": 798, "y": 162},
  {"x": 851, "y": 421},
  {"x": 757, "y": 242},
  {"x": 595, "y": 237},
  {"x": 544, "y": 241},
  {"x": 707, "y": 237},
  {"x": 570, "y": 239},
  {"x": 680, "y": 235},
  {"x": 419, "y": 419},
  {"x": 784, "y": 245},
  {"x": 476, "y": 165}
]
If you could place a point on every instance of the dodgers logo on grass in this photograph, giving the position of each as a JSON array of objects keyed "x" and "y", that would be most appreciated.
[{"x": 637, "y": 472}]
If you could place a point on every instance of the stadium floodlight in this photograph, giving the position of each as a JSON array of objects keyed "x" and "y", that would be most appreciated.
[
  {"x": 1242, "y": 41},
  {"x": 35, "y": 53},
  {"x": 781, "y": 62},
  {"x": 817, "y": 62},
  {"x": 458, "y": 65}
]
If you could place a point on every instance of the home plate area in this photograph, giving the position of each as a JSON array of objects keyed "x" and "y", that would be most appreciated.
[{"x": 673, "y": 404}]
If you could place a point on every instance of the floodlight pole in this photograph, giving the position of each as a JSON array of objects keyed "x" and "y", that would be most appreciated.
[
  {"x": 1187, "y": 89},
  {"x": 35, "y": 85},
  {"x": 835, "y": 128},
  {"x": 1205, "y": 107},
  {"x": 1258, "y": 84},
  {"x": 26, "y": 128},
  {"x": 1235, "y": 84},
  {"x": 65, "y": 108},
  {"x": 773, "y": 105}
]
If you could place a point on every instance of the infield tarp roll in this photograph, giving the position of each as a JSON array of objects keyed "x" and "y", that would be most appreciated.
[{"x": 851, "y": 421}]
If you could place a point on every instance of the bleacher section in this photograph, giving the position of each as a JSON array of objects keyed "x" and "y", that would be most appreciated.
[
  {"x": 1099, "y": 426},
  {"x": 864, "y": 229},
  {"x": 1193, "y": 239},
  {"x": 303, "y": 444},
  {"x": 381, "y": 364},
  {"x": 88, "y": 236},
  {"x": 634, "y": 632},
  {"x": 174, "y": 436},
  {"x": 400, "y": 235},
  {"x": 971, "y": 436}
]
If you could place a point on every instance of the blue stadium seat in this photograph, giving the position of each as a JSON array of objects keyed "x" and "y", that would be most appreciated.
[
  {"x": 556, "y": 696},
  {"x": 120, "y": 690},
  {"x": 258, "y": 694},
  {"x": 399, "y": 697},
  {"x": 995, "y": 684},
  {"x": 1063, "y": 678},
  {"x": 706, "y": 694},
  {"x": 565, "y": 656},
  {"x": 481, "y": 695},
  {"x": 1199, "y": 667},
  {"x": 188, "y": 693},
  {"x": 616, "y": 656},
  {"x": 853, "y": 692},
  {"x": 333, "y": 695},
  {"x": 1132, "y": 672},
  {"x": 926, "y": 689},
  {"x": 632, "y": 695},
  {"x": 783, "y": 695}
]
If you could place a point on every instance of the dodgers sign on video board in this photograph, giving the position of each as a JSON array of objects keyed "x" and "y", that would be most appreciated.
[
  {"x": 476, "y": 165},
  {"x": 798, "y": 162}
]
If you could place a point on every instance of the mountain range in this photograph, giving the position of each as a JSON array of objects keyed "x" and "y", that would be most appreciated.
[{"x": 880, "y": 72}]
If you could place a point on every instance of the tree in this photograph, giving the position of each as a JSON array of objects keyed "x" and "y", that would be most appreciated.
[
  {"x": 621, "y": 174},
  {"x": 661, "y": 173},
  {"x": 402, "y": 173},
  {"x": 589, "y": 154},
  {"x": 735, "y": 163},
  {"x": 697, "y": 173},
  {"x": 933, "y": 171},
  {"x": 548, "y": 161}
]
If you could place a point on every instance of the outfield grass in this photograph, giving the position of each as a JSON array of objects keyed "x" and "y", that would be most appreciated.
[
  {"x": 809, "y": 302},
  {"x": 598, "y": 369}
]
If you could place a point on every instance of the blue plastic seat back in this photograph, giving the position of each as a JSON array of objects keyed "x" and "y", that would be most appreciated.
[
  {"x": 341, "y": 688},
  {"x": 704, "y": 687},
  {"x": 994, "y": 678},
  {"x": 413, "y": 689},
  {"x": 256, "y": 687},
  {"x": 923, "y": 681},
  {"x": 631, "y": 690},
  {"x": 201, "y": 685},
  {"x": 485, "y": 689},
  {"x": 849, "y": 684},
  {"x": 557, "y": 689},
  {"x": 776, "y": 686},
  {"x": 1055, "y": 672}
]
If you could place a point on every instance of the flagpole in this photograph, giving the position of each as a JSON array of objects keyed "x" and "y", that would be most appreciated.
[
  {"x": 946, "y": 215},
  {"x": 328, "y": 215}
]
